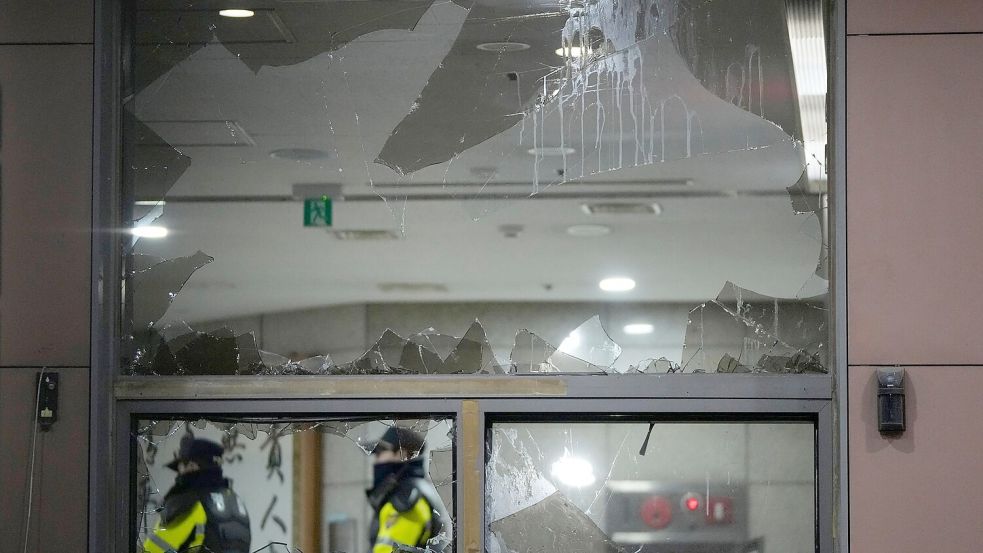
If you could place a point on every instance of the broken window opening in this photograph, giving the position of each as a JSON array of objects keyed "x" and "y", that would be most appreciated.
[
  {"x": 696, "y": 487},
  {"x": 675, "y": 137},
  {"x": 256, "y": 458}
]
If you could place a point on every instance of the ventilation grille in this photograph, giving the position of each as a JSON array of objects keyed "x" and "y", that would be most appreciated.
[
  {"x": 365, "y": 235},
  {"x": 412, "y": 287}
]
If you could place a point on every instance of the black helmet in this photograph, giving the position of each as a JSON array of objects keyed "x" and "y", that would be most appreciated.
[
  {"x": 203, "y": 452},
  {"x": 397, "y": 438}
]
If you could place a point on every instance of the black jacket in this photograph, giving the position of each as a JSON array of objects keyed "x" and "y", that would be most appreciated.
[{"x": 227, "y": 526}]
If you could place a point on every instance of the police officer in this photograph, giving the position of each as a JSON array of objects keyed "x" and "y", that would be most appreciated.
[
  {"x": 408, "y": 511},
  {"x": 200, "y": 512}
]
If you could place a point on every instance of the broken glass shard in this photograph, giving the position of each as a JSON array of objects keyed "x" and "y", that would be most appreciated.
[
  {"x": 156, "y": 287},
  {"x": 554, "y": 524},
  {"x": 657, "y": 366},
  {"x": 591, "y": 343},
  {"x": 469, "y": 99},
  {"x": 530, "y": 354},
  {"x": 473, "y": 354},
  {"x": 741, "y": 329}
]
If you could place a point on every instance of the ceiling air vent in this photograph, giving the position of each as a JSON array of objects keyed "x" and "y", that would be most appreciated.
[
  {"x": 412, "y": 287},
  {"x": 622, "y": 208},
  {"x": 365, "y": 235}
]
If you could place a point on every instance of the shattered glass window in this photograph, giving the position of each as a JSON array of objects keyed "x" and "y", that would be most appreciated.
[
  {"x": 475, "y": 187},
  {"x": 260, "y": 463},
  {"x": 651, "y": 487}
]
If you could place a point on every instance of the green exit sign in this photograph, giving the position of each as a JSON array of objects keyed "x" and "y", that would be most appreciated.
[{"x": 317, "y": 212}]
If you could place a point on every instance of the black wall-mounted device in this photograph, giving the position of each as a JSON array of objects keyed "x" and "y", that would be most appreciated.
[
  {"x": 890, "y": 401},
  {"x": 47, "y": 400}
]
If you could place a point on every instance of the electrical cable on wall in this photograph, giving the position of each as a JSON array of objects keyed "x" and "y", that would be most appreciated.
[{"x": 30, "y": 476}]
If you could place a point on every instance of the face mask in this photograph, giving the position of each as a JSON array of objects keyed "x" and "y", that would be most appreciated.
[{"x": 382, "y": 470}]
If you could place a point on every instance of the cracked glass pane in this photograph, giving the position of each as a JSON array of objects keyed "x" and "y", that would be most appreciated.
[
  {"x": 249, "y": 474},
  {"x": 348, "y": 187},
  {"x": 651, "y": 487}
]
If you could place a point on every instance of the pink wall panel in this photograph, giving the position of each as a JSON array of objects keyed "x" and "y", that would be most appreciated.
[
  {"x": 58, "y": 521},
  {"x": 915, "y": 199},
  {"x": 923, "y": 491},
  {"x": 913, "y": 16},
  {"x": 46, "y": 21},
  {"x": 46, "y": 195}
]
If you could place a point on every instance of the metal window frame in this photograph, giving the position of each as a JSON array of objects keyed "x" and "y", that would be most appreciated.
[
  {"x": 114, "y": 400},
  {"x": 680, "y": 406}
]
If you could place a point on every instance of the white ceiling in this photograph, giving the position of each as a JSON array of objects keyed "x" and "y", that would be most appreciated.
[{"x": 738, "y": 226}]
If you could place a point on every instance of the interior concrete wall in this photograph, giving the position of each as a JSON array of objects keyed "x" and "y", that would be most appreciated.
[
  {"x": 345, "y": 332},
  {"x": 914, "y": 80},
  {"x": 45, "y": 194}
]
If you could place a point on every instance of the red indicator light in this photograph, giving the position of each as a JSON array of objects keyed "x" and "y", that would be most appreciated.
[{"x": 692, "y": 503}]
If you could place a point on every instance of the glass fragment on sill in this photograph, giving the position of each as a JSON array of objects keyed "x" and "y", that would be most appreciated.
[
  {"x": 554, "y": 524},
  {"x": 745, "y": 332},
  {"x": 586, "y": 349},
  {"x": 530, "y": 353},
  {"x": 590, "y": 343},
  {"x": 656, "y": 366},
  {"x": 219, "y": 352}
]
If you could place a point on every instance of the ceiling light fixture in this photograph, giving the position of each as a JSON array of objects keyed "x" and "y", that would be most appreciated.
[
  {"x": 300, "y": 154},
  {"x": 639, "y": 328},
  {"x": 149, "y": 232},
  {"x": 622, "y": 208},
  {"x": 551, "y": 151},
  {"x": 150, "y": 203},
  {"x": 570, "y": 52},
  {"x": 617, "y": 284},
  {"x": 588, "y": 230},
  {"x": 236, "y": 13},
  {"x": 502, "y": 47}
]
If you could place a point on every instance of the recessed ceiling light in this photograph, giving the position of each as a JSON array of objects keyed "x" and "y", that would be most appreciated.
[
  {"x": 300, "y": 154},
  {"x": 503, "y": 47},
  {"x": 617, "y": 284},
  {"x": 588, "y": 230},
  {"x": 551, "y": 151},
  {"x": 149, "y": 232},
  {"x": 622, "y": 208},
  {"x": 639, "y": 328},
  {"x": 236, "y": 13},
  {"x": 149, "y": 202},
  {"x": 570, "y": 52},
  {"x": 573, "y": 472}
]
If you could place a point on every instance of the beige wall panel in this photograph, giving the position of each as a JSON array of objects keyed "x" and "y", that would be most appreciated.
[
  {"x": 58, "y": 520},
  {"x": 914, "y": 199},
  {"x": 37, "y": 21},
  {"x": 46, "y": 193},
  {"x": 913, "y": 16},
  {"x": 922, "y": 491}
]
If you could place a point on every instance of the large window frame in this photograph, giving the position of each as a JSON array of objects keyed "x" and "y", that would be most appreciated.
[{"x": 116, "y": 401}]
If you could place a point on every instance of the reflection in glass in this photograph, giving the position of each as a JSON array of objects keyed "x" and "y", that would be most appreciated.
[
  {"x": 455, "y": 152},
  {"x": 264, "y": 466},
  {"x": 651, "y": 487}
]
